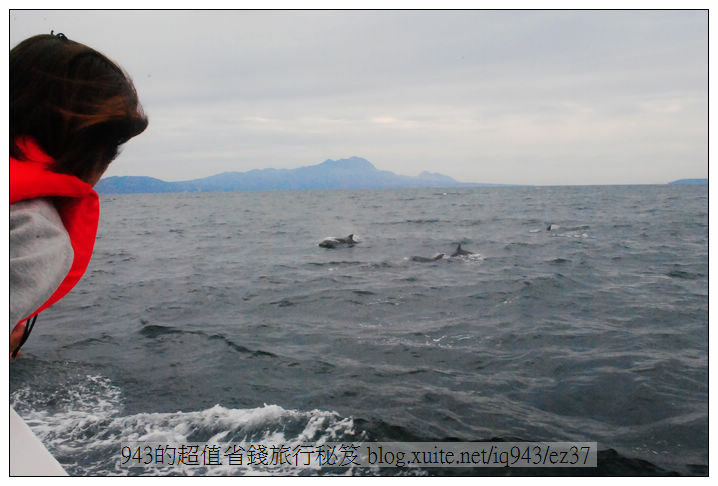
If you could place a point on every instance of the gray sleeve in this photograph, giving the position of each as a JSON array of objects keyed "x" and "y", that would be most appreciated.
[{"x": 40, "y": 255}]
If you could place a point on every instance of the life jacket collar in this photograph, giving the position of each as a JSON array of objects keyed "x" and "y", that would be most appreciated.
[{"x": 76, "y": 201}]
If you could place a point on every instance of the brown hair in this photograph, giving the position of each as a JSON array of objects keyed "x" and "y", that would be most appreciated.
[{"x": 77, "y": 104}]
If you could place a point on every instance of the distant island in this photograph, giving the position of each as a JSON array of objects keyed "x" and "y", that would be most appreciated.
[
  {"x": 690, "y": 181},
  {"x": 351, "y": 173}
]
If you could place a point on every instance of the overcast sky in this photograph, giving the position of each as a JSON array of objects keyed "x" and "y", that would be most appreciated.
[{"x": 526, "y": 97}]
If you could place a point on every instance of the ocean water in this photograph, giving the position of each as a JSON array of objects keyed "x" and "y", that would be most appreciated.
[{"x": 216, "y": 316}]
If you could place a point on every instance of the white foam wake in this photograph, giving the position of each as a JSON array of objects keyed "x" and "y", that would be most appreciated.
[{"x": 85, "y": 430}]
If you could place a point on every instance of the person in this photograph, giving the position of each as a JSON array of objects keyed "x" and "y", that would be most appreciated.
[{"x": 71, "y": 108}]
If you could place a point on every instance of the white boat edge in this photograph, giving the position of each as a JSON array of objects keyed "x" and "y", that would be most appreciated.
[{"x": 28, "y": 455}]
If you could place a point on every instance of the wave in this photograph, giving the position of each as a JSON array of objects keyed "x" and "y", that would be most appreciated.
[
  {"x": 82, "y": 425},
  {"x": 154, "y": 331},
  {"x": 412, "y": 221},
  {"x": 85, "y": 430}
]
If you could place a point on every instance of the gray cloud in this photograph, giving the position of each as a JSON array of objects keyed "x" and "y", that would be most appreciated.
[{"x": 533, "y": 97}]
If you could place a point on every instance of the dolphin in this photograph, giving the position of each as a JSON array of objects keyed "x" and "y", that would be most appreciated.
[
  {"x": 333, "y": 242},
  {"x": 436, "y": 257},
  {"x": 461, "y": 252}
]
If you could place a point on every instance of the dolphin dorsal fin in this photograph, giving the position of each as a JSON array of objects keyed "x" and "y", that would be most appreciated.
[
  {"x": 458, "y": 248},
  {"x": 350, "y": 237}
]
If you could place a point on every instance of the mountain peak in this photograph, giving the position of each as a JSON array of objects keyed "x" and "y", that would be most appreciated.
[
  {"x": 353, "y": 163},
  {"x": 434, "y": 176},
  {"x": 349, "y": 173}
]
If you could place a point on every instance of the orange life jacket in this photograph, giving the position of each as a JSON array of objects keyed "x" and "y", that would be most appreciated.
[{"x": 76, "y": 201}]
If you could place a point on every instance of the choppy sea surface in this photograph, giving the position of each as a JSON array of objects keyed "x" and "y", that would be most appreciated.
[{"x": 216, "y": 316}]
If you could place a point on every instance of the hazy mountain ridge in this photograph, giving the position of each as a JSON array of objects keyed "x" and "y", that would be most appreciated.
[
  {"x": 351, "y": 173},
  {"x": 690, "y": 181}
]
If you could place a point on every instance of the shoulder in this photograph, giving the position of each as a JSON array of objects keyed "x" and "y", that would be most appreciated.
[
  {"x": 40, "y": 211},
  {"x": 37, "y": 233},
  {"x": 41, "y": 254},
  {"x": 36, "y": 226}
]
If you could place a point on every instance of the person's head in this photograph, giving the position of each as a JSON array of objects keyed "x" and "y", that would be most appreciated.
[{"x": 74, "y": 102}]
